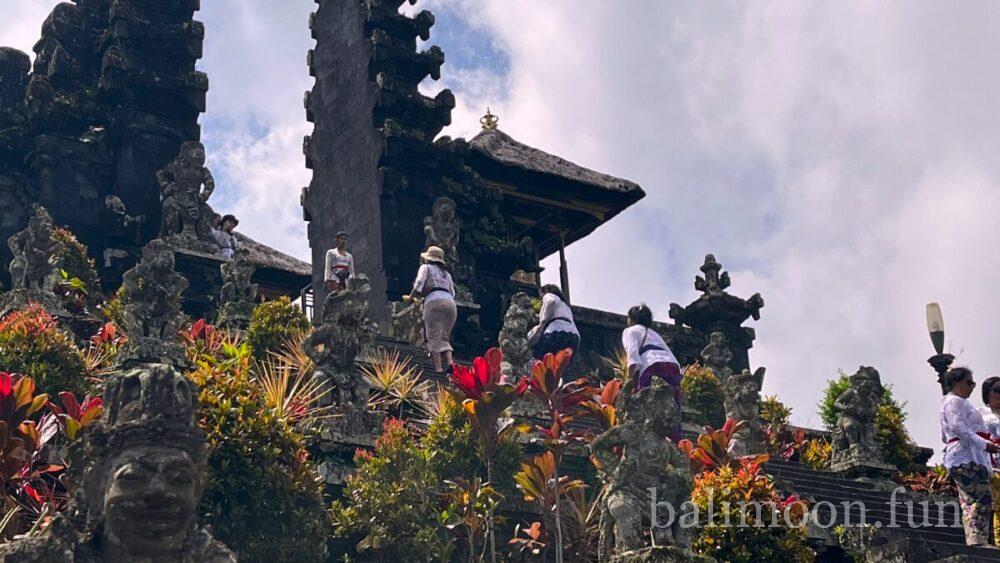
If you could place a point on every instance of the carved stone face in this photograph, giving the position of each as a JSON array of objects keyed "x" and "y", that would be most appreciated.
[
  {"x": 164, "y": 261},
  {"x": 150, "y": 500},
  {"x": 194, "y": 154},
  {"x": 445, "y": 210}
]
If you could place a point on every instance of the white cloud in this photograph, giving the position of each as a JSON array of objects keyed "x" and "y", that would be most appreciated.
[{"x": 835, "y": 156}]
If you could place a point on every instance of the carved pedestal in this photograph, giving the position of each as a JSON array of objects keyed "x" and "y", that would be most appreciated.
[
  {"x": 18, "y": 299},
  {"x": 339, "y": 438}
]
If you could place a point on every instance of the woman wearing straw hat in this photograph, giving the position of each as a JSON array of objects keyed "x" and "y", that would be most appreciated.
[{"x": 435, "y": 285}]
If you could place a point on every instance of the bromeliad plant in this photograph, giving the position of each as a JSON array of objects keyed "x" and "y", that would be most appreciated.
[
  {"x": 934, "y": 481},
  {"x": 563, "y": 401},
  {"x": 484, "y": 399},
  {"x": 712, "y": 449},
  {"x": 601, "y": 405}
]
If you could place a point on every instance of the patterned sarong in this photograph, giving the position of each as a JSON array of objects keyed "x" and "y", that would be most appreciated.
[{"x": 973, "y": 483}]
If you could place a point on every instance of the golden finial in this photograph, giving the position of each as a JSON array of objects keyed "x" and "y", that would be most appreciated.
[{"x": 489, "y": 121}]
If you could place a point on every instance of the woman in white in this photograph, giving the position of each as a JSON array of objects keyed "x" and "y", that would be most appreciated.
[
  {"x": 967, "y": 454},
  {"x": 435, "y": 285},
  {"x": 556, "y": 330},
  {"x": 648, "y": 356},
  {"x": 991, "y": 416}
]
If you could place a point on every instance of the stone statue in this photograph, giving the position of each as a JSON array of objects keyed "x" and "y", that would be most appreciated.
[
  {"x": 648, "y": 461},
  {"x": 36, "y": 254},
  {"x": 742, "y": 399},
  {"x": 139, "y": 474},
  {"x": 35, "y": 269},
  {"x": 185, "y": 202},
  {"x": 406, "y": 321},
  {"x": 513, "y": 338},
  {"x": 717, "y": 356},
  {"x": 334, "y": 346},
  {"x": 151, "y": 307},
  {"x": 855, "y": 441},
  {"x": 443, "y": 228},
  {"x": 238, "y": 296}
]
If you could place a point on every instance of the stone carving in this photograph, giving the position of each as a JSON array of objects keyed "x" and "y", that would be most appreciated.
[
  {"x": 36, "y": 254},
  {"x": 151, "y": 307},
  {"x": 406, "y": 321},
  {"x": 513, "y": 338},
  {"x": 742, "y": 399},
  {"x": 648, "y": 461},
  {"x": 34, "y": 271},
  {"x": 334, "y": 346},
  {"x": 855, "y": 441},
  {"x": 139, "y": 473},
  {"x": 238, "y": 296},
  {"x": 442, "y": 228},
  {"x": 717, "y": 356},
  {"x": 185, "y": 185}
]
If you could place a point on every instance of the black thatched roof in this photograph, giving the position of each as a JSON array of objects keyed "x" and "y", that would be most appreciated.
[
  {"x": 501, "y": 147},
  {"x": 264, "y": 256}
]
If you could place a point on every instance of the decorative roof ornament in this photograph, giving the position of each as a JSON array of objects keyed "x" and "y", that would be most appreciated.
[
  {"x": 489, "y": 121},
  {"x": 716, "y": 310}
]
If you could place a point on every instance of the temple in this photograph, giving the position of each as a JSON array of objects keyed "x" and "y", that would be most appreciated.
[
  {"x": 112, "y": 95},
  {"x": 101, "y": 130}
]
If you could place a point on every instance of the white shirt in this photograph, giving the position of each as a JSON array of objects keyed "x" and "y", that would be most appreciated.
[
  {"x": 992, "y": 422},
  {"x": 226, "y": 242},
  {"x": 635, "y": 337},
  {"x": 557, "y": 309},
  {"x": 434, "y": 277},
  {"x": 337, "y": 261},
  {"x": 960, "y": 420}
]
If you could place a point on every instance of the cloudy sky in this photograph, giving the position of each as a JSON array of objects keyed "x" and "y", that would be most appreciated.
[{"x": 839, "y": 158}]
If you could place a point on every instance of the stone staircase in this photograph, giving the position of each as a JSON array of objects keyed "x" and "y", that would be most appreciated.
[{"x": 908, "y": 531}]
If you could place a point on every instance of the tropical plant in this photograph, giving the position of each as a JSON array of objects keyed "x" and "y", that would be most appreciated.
[
  {"x": 75, "y": 415},
  {"x": 784, "y": 442},
  {"x": 102, "y": 351},
  {"x": 934, "y": 481},
  {"x": 469, "y": 505},
  {"x": 774, "y": 413},
  {"x": 711, "y": 451},
  {"x": 272, "y": 324},
  {"x": 563, "y": 401},
  {"x": 258, "y": 462},
  {"x": 33, "y": 345},
  {"x": 856, "y": 541},
  {"x": 291, "y": 394},
  {"x": 742, "y": 518},
  {"x": 579, "y": 515},
  {"x": 703, "y": 392},
  {"x": 485, "y": 400},
  {"x": 392, "y": 505},
  {"x": 396, "y": 382},
  {"x": 816, "y": 453},
  {"x": 29, "y": 426},
  {"x": 617, "y": 362},
  {"x": 78, "y": 285},
  {"x": 456, "y": 449},
  {"x": 601, "y": 405}
]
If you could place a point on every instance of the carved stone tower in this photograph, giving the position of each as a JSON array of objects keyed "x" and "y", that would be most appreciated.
[{"x": 372, "y": 150}]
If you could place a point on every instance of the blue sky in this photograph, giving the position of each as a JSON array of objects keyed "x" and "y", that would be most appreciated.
[{"x": 839, "y": 158}]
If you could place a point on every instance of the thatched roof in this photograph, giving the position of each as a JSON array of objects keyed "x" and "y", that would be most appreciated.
[
  {"x": 264, "y": 256},
  {"x": 501, "y": 147}
]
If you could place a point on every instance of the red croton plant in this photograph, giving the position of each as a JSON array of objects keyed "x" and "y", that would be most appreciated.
[
  {"x": 485, "y": 398},
  {"x": 712, "y": 449},
  {"x": 28, "y": 423}
]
